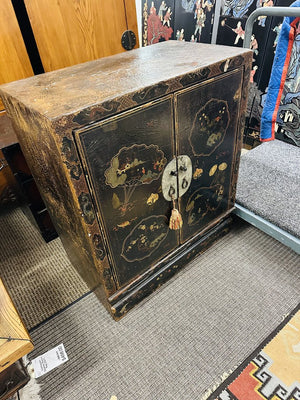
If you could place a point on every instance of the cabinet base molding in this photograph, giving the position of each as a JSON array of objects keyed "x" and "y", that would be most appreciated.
[{"x": 122, "y": 301}]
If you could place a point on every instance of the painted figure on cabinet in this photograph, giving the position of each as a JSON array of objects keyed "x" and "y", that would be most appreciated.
[
  {"x": 209, "y": 127},
  {"x": 131, "y": 167}
]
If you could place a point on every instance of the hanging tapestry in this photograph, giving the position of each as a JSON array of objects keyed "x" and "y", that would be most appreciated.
[{"x": 281, "y": 113}]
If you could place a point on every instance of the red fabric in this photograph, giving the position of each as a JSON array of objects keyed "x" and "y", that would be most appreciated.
[{"x": 243, "y": 388}]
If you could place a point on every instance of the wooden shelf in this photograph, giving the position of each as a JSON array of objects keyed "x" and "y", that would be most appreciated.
[{"x": 15, "y": 341}]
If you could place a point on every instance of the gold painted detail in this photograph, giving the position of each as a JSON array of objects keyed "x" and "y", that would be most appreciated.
[
  {"x": 203, "y": 201},
  {"x": 215, "y": 167},
  {"x": 198, "y": 173},
  {"x": 116, "y": 201},
  {"x": 223, "y": 166},
  {"x": 146, "y": 237},
  {"x": 145, "y": 31},
  {"x": 209, "y": 127},
  {"x": 218, "y": 173},
  {"x": 152, "y": 199},
  {"x": 124, "y": 224},
  {"x": 131, "y": 167},
  {"x": 213, "y": 170},
  {"x": 135, "y": 165}
]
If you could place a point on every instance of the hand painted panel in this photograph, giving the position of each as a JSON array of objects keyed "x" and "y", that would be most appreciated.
[
  {"x": 206, "y": 124},
  {"x": 157, "y": 21},
  {"x": 194, "y": 20},
  {"x": 125, "y": 157}
]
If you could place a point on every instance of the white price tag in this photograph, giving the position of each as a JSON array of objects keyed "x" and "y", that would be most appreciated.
[{"x": 49, "y": 360}]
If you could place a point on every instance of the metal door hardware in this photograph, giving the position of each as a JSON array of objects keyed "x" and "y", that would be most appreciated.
[
  {"x": 169, "y": 181},
  {"x": 128, "y": 40},
  {"x": 185, "y": 174},
  {"x": 177, "y": 177}
]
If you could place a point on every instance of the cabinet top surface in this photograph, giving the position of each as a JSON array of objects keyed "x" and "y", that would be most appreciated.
[{"x": 71, "y": 89}]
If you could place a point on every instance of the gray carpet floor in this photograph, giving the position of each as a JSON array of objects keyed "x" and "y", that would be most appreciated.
[
  {"x": 39, "y": 276},
  {"x": 269, "y": 184},
  {"x": 182, "y": 340}
]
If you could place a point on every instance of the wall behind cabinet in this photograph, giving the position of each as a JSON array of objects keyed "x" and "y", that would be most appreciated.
[
  {"x": 44, "y": 35},
  {"x": 70, "y": 32},
  {"x": 14, "y": 65},
  {"x": 14, "y": 61},
  {"x": 230, "y": 28}
]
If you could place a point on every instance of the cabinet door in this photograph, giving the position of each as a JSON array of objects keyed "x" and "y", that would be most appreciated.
[
  {"x": 207, "y": 117},
  {"x": 124, "y": 157}
]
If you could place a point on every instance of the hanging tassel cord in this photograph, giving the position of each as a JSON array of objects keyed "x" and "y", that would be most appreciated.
[{"x": 175, "y": 219}]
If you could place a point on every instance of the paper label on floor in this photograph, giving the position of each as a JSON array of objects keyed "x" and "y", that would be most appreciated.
[{"x": 49, "y": 360}]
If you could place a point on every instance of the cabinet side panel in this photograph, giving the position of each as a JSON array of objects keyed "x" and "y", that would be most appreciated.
[
  {"x": 74, "y": 221},
  {"x": 241, "y": 125}
]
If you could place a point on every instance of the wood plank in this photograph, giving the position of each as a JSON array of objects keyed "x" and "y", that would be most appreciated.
[
  {"x": 14, "y": 61},
  {"x": 11, "y": 327},
  {"x": 74, "y": 32},
  {"x": 131, "y": 15}
]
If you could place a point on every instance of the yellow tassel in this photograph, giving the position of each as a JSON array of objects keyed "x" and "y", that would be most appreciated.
[{"x": 175, "y": 219}]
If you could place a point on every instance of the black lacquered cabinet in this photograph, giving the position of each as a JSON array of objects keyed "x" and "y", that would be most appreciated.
[
  {"x": 118, "y": 142},
  {"x": 126, "y": 156}
]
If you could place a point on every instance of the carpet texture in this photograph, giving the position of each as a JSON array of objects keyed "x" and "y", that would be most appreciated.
[
  {"x": 269, "y": 183},
  {"x": 180, "y": 341},
  {"x": 39, "y": 276}
]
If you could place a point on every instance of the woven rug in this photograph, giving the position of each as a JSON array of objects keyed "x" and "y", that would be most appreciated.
[
  {"x": 39, "y": 276},
  {"x": 274, "y": 370}
]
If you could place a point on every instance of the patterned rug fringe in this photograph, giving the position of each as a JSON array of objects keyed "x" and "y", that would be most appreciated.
[{"x": 221, "y": 379}]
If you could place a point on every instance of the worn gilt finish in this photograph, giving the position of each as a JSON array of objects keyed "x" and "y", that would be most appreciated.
[{"x": 98, "y": 136}]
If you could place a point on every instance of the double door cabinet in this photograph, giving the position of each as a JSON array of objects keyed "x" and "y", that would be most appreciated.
[{"x": 116, "y": 143}]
